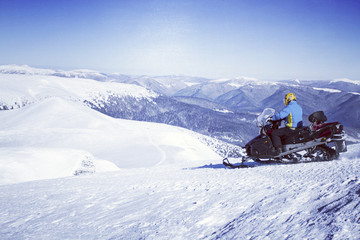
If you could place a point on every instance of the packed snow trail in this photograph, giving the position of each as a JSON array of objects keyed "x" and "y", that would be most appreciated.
[{"x": 304, "y": 201}]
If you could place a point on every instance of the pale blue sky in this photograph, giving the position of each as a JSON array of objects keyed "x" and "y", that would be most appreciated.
[{"x": 267, "y": 39}]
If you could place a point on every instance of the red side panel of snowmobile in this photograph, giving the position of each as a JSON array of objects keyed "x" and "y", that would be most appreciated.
[{"x": 325, "y": 129}]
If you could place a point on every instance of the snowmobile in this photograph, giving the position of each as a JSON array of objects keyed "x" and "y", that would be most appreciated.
[{"x": 320, "y": 141}]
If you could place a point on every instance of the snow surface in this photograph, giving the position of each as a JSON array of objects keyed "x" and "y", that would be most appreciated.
[
  {"x": 27, "y": 70},
  {"x": 54, "y": 138},
  {"x": 356, "y": 82},
  {"x": 70, "y": 172},
  {"x": 331, "y": 90},
  {"x": 303, "y": 201},
  {"x": 164, "y": 184},
  {"x": 17, "y": 90}
]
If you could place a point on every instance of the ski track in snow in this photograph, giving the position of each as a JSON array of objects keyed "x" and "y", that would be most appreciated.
[
  {"x": 161, "y": 152},
  {"x": 302, "y": 201}
]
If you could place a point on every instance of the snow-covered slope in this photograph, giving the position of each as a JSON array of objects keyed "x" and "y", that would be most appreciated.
[
  {"x": 166, "y": 85},
  {"x": 78, "y": 73},
  {"x": 56, "y": 138},
  {"x": 304, "y": 201},
  {"x": 136, "y": 180},
  {"x": 24, "y": 69},
  {"x": 17, "y": 90},
  {"x": 23, "y": 85},
  {"x": 218, "y": 108}
]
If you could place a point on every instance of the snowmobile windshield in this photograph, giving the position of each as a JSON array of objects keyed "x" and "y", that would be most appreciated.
[{"x": 265, "y": 115}]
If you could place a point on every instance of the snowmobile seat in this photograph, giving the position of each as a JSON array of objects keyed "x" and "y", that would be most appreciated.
[{"x": 300, "y": 134}]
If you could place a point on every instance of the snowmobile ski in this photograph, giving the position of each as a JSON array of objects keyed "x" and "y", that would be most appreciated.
[{"x": 227, "y": 163}]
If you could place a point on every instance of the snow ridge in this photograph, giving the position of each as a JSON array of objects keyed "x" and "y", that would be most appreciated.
[
  {"x": 346, "y": 80},
  {"x": 18, "y": 90}
]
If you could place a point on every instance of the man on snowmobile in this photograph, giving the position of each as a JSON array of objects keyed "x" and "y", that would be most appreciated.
[{"x": 292, "y": 114}]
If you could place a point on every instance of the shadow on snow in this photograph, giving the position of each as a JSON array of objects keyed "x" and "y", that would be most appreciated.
[{"x": 222, "y": 166}]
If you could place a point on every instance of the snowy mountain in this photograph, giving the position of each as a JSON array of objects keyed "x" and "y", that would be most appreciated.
[
  {"x": 212, "y": 89},
  {"x": 70, "y": 172},
  {"x": 24, "y": 86},
  {"x": 346, "y": 85},
  {"x": 222, "y": 108},
  {"x": 80, "y": 73},
  {"x": 338, "y": 99},
  {"x": 165, "y": 85},
  {"x": 120, "y": 179},
  {"x": 18, "y": 90}
]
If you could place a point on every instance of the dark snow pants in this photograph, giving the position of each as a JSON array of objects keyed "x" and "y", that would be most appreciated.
[{"x": 279, "y": 134}]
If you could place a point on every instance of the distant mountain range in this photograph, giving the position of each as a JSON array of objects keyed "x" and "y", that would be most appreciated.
[{"x": 221, "y": 108}]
